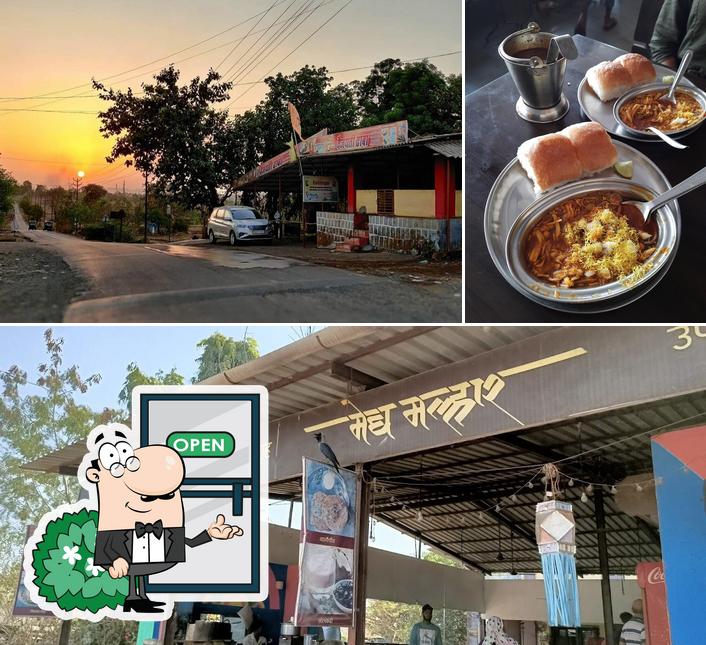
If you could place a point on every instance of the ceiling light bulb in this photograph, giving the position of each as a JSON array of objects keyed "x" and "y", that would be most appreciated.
[
  {"x": 497, "y": 508},
  {"x": 613, "y": 490},
  {"x": 420, "y": 516},
  {"x": 589, "y": 488},
  {"x": 530, "y": 485},
  {"x": 571, "y": 482},
  {"x": 514, "y": 497},
  {"x": 584, "y": 497}
]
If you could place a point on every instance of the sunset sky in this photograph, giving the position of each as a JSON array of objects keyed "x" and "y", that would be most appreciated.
[{"x": 54, "y": 49}]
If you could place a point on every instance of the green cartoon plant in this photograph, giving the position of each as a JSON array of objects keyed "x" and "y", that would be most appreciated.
[{"x": 64, "y": 570}]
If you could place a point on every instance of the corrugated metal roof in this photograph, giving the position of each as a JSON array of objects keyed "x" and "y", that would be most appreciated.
[
  {"x": 459, "y": 486},
  {"x": 451, "y": 149},
  {"x": 385, "y": 353}
]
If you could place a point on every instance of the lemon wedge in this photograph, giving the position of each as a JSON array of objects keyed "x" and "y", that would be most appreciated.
[{"x": 624, "y": 169}]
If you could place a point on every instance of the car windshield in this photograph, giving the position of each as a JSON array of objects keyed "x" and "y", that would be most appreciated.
[{"x": 245, "y": 213}]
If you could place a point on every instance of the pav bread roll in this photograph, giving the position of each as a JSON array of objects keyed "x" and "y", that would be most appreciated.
[
  {"x": 641, "y": 69},
  {"x": 549, "y": 160},
  {"x": 609, "y": 80},
  {"x": 594, "y": 148}
]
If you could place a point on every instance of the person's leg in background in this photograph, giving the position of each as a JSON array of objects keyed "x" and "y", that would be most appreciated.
[
  {"x": 583, "y": 17},
  {"x": 608, "y": 21}
]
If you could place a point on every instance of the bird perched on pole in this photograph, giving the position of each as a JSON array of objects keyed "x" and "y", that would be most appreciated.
[{"x": 327, "y": 451}]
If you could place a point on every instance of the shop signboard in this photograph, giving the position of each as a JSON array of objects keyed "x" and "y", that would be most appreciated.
[
  {"x": 320, "y": 190},
  {"x": 322, "y": 143},
  {"x": 221, "y": 434},
  {"x": 327, "y": 550},
  {"x": 24, "y": 605},
  {"x": 558, "y": 375},
  {"x": 374, "y": 136}
]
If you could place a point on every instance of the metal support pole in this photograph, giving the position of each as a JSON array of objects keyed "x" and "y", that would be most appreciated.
[
  {"x": 604, "y": 566},
  {"x": 65, "y": 632},
  {"x": 356, "y": 634},
  {"x": 145, "y": 208}
]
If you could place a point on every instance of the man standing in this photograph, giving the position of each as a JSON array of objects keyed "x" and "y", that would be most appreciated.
[
  {"x": 425, "y": 632},
  {"x": 633, "y": 632}
]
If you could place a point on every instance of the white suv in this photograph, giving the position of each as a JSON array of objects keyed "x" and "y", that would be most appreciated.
[{"x": 236, "y": 223}]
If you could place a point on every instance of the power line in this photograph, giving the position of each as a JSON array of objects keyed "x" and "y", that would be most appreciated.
[
  {"x": 244, "y": 37},
  {"x": 260, "y": 55},
  {"x": 156, "y": 60},
  {"x": 56, "y": 99},
  {"x": 309, "y": 37}
]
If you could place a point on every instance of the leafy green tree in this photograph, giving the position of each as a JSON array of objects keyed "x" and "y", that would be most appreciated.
[
  {"x": 135, "y": 376},
  {"x": 8, "y": 188},
  {"x": 93, "y": 193},
  {"x": 40, "y": 414},
  {"x": 220, "y": 353},
  {"x": 173, "y": 133},
  {"x": 418, "y": 92},
  {"x": 319, "y": 105}
]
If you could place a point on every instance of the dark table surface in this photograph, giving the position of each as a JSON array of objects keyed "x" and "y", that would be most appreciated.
[{"x": 493, "y": 133}]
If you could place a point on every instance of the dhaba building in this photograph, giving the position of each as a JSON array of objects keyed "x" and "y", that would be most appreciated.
[
  {"x": 448, "y": 430},
  {"x": 376, "y": 184}
]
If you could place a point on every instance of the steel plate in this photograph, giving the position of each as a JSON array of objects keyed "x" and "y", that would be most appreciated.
[
  {"x": 513, "y": 192},
  {"x": 602, "y": 112}
]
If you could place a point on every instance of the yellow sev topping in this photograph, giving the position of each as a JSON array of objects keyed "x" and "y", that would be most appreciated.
[{"x": 603, "y": 243}]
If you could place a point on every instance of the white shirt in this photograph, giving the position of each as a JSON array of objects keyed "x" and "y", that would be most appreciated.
[{"x": 148, "y": 548}]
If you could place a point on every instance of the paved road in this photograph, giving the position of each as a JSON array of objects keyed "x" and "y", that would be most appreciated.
[{"x": 204, "y": 283}]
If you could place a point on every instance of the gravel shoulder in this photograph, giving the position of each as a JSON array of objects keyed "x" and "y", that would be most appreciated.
[{"x": 36, "y": 285}]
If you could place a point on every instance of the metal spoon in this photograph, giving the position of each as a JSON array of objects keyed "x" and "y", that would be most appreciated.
[
  {"x": 686, "y": 186},
  {"x": 668, "y": 98},
  {"x": 667, "y": 139}
]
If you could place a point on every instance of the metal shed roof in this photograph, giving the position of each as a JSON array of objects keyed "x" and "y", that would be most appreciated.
[{"x": 457, "y": 488}]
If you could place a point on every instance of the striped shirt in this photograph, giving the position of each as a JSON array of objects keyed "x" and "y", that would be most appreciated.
[{"x": 633, "y": 632}]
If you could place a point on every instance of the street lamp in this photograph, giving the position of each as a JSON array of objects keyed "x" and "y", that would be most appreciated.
[{"x": 77, "y": 181}]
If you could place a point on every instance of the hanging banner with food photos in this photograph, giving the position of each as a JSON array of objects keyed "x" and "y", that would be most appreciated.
[{"x": 326, "y": 552}]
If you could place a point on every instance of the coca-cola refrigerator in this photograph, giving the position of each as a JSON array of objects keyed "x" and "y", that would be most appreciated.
[{"x": 650, "y": 577}]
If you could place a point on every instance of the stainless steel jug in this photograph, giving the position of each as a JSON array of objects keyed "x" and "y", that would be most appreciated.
[{"x": 540, "y": 84}]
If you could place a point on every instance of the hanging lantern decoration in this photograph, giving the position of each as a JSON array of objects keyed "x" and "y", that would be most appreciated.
[{"x": 556, "y": 538}]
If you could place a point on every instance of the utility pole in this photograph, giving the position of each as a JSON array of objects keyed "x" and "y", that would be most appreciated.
[{"x": 145, "y": 208}]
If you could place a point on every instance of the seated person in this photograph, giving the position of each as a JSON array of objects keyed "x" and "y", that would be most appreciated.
[{"x": 681, "y": 25}]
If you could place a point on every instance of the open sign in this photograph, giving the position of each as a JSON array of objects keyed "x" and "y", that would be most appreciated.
[{"x": 202, "y": 444}]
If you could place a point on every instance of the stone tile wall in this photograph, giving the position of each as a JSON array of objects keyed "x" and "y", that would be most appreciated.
[
  {"x": 404, "y": 233},
  {"x": 333, "y": 227}
]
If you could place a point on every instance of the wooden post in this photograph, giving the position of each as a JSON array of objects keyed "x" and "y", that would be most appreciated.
[
  {"x": 604, "y": 566},
  {"x": 65, "y": 632},
  {"x": 356, "y": 635}
]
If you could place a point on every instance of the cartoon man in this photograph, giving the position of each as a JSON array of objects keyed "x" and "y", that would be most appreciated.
[{"x": 140, "y": 511}]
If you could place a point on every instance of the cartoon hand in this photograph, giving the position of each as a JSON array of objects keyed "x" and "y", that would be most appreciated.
[
  {"x": 219, "y": 530},
  {"x": 119, "y": 568}
]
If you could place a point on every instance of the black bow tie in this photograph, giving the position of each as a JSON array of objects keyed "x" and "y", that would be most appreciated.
[{"x": 156, "y": 528}]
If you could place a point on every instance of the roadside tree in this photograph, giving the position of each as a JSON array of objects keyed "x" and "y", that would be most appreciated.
[
  {"x": 418, "y": 92},
  {"x": 135, "y": 376},
  {"x": 173, "y": 133},
  {"x": 220, "y": 353},
  {"x": 8, "y": 188}
]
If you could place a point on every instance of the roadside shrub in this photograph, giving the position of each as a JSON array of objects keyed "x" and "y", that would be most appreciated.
[
  {"x": 95, "y": 232},
  {"x": 64, "y": 569},
  {"x": 180, "y": 225}
]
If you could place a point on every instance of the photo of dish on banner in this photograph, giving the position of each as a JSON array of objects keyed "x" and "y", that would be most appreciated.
[
  {"x": 326, "y": 557},
  {"x": 556, "y": 539}
]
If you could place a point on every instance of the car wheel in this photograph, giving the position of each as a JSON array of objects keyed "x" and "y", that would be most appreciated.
[
  {"x": 232, "y": 238},
  {"x": 211, "y": 237}
]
